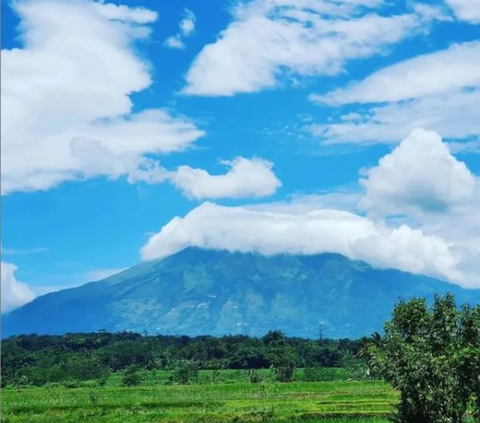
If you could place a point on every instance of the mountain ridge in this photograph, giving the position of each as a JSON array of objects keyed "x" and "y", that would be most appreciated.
[{"x": 215, "y": 292}]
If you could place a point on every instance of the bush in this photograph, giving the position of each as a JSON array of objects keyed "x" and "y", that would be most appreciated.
[
  {"x": 102, "y": 381},
  {"x": 285, "y": 372},
  {"x": 71, "y": 384},
  {"x": 184, "y": 371},
  {"x": 131, "y": 377},
  {"x": 254, "y": 376}
]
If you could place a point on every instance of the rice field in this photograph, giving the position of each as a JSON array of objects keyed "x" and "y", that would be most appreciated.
[{"x": 332, "y": 402}]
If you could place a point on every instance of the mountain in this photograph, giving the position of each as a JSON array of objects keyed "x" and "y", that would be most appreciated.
[{"x": 217, "y": 292}]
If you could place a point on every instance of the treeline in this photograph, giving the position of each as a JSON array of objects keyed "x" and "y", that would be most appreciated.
[{"x": 39, "y": 359}]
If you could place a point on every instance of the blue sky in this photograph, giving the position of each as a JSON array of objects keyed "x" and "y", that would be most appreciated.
[{"x": 301, "y": 98}]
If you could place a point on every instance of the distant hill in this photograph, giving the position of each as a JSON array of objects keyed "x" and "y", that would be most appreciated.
[{"x": 217, "y": 292}]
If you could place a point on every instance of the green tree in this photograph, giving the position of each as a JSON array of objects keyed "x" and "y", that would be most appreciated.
[
  {"x": 281, "y": 356},
  {"x": 131, "y": 376},
  {"x": 469, "y": 356},
  {"x": 430, "y": 355},
  {"x": 184, "y": 371}
]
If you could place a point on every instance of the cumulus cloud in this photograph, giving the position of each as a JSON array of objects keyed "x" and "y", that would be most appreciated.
[
  {"x": 320, "y": 231},
  {"x": 418, "y": 92},
  {"x": 466, "y": 10},
  {"x": 95, "y": 159},
  {"x": 423, "y": 184},
  {"x": 245, "y": 178},
  {"x": 423, "y": 218},
  {"x": 14, "y": 293},
  {"x": 420, "y": 174},
  {"x": 186, "y": 28},
  {"x": 70, "y": 84},
  {"x": 269, "y": 41}
]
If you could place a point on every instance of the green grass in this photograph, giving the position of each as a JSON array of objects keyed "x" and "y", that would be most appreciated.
[
  {"x": 160, "y": 377},
  {"x": 333, "y": 402}
]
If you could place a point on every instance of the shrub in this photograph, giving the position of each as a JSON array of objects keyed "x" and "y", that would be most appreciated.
[{"x": 131, "y": 376}]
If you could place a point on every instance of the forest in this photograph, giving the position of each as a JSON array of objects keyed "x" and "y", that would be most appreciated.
[{"x": 40, "y": 359}]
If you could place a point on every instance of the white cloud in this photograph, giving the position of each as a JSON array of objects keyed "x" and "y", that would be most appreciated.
[
  {"x": 139, "y": 15},
  {"x": 72, "y": 80},
  {"x": 305, "y": 203},
  {"x": 433, "y": 191},
  {"x": 186, "y": 29},
  {"x": 245, "y": 178},
  {"x": 319, "y": 231},
  {"x": 467, "y": 147},
  {"x": 174, "y": 42},
  {"x": 14, "y": 293},
  {"x": 271, "y": 40},
  {"x": 422, "y": 184},
  {"x": 423, "y": 218},
  {"x": 420, "y": 174},
  {"x": 467, "y": 10},
  {"x": 187, "y": 24},
  {"x": 95, "y": 160},
  {"x": 455, "y": 115},
  {"x": 418, "y": 77},
  {"x": 419, "y": 92}
]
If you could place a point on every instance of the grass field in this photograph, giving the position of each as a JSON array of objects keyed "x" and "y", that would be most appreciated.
[
  {"x": 235, "y": 401},
  {"x": 161, "y": 377}
]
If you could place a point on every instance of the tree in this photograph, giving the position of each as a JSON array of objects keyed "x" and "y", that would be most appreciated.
[
  {"x": 430, "y": 355},
  {"x": 184, "y": 371},
  {"x": 131, "y": 376},
  {"x": 281, "y": 355},
  {"x": 469, "y": 356}
]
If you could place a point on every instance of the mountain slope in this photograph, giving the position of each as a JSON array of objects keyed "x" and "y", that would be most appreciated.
[{"x": 216, "y": 292}]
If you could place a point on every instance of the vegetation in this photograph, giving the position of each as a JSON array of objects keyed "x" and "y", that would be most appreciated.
[
  {"x": 428, "y": 354},
  {"x": 131, "y": 376},
  {"x": 431, "y": 355},
  {"x": 239, "y": 401},
  {"x": 32, "y": 360}
]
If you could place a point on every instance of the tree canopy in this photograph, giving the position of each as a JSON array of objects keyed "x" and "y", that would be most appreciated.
[
  {"x": 431, "y": 355},
  {"x": 36, "y": 360}
]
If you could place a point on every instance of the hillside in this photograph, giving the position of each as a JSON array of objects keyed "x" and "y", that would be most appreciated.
[{"x": 216, "y": 292}]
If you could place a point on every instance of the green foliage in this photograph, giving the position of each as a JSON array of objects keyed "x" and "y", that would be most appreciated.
[
  {"x": 431, "y": 356},
  {"x": 281, "y": 355},
  {"x": 185, "y": 371},
  {"x": 131, "y": 376},
  {"x": 36, "y": 360},
  {"x": 254, "y": 376},
  {"x": 93, "y": 396},
  {"x": 326, "y": 374}
]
